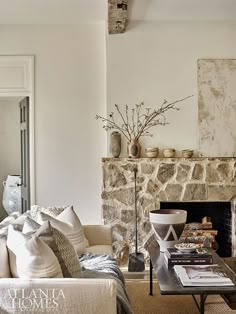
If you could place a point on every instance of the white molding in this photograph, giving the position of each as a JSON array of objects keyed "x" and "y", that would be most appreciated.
[{"x": 24, "y": 69}]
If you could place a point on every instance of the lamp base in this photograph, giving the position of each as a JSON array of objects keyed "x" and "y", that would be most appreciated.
[{"x": 136, "y": 262}]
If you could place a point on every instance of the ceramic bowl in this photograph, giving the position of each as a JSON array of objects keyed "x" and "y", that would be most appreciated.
[
  {"x": 168, "y": 225},
  {"x": 186, "y": 247},
  {"x": 169, "y": 152},
  {"x": 187, "y": 153},
  {"x": 152, "y": 152}
]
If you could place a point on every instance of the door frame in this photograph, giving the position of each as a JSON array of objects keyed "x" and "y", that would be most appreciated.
[{"x": 16, "y": 80}]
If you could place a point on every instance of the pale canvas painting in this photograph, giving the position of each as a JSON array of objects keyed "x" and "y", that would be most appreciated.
[{"x": 217, "y": 107}]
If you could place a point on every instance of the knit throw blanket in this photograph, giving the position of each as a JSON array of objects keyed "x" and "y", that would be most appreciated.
[{"x": 104, "y": 266}]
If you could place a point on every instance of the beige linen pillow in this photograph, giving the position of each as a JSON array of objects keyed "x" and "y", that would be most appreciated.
[
  {"x": 4, "y": 260},
  {"x": 69, "y": 224},
  {"x": 59, "y": 243},
  {"x": 30, "y": 257},
  {"x": 9, "y": 219}
]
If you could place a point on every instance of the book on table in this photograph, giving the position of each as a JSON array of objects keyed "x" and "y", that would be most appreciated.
[
  {"x": 175, "y": 257},
  {"x": 175, "y": 253},
  {"x": 188, "y": 260},
  {"x": 202, "y": 275}
]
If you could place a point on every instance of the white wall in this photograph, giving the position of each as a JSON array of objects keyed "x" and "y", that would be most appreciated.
[
  {"x": 69, "y": 91},
  {"x": 150, "y": 62},
  {"x": 153, "y": 61},
  {"x": 9, "y": 140}
]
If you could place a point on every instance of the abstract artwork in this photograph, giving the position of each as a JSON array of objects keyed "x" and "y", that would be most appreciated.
[{"x": 217, "y": 107}]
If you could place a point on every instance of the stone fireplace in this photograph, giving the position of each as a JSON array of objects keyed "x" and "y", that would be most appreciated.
[{"x": 161, "y": 180}]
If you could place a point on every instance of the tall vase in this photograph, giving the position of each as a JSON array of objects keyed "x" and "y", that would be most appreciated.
[
  {"x": 134, "y": 149},
  {"x": 115, "y": 144}
]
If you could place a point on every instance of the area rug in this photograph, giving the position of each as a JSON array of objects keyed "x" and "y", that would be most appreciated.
[{"x": 143, "y": 303}]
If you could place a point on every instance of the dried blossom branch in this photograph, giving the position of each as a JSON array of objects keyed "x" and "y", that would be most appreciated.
[
  {"x": 139, "y": 124},
  {"x": 111, "y": 125}
]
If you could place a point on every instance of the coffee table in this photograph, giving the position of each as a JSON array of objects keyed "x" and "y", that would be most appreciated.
[{"x": 169, "y": 284}]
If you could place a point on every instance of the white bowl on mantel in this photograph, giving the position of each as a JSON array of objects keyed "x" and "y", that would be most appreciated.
[
  {"x": 168, "y": 152},
  {"x": 152, "y": 152},
  {"x": 168, "y": 225}
]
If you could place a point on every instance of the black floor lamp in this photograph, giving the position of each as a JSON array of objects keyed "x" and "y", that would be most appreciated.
[{"x": 136, "y": 259}]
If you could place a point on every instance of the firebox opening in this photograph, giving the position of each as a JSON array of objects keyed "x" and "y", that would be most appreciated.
[{"x": 221, "y": 218}]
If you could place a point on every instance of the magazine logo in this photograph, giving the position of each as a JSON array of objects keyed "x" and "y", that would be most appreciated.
[{"x": 34, "y": 299}]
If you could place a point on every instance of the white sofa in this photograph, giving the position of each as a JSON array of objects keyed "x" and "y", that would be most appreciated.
[{"x": 64, "y": 295}]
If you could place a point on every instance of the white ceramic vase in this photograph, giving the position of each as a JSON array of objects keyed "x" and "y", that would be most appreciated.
[
  {"x": 168, "y": 225},
  {"x": 12, "y": 194}
]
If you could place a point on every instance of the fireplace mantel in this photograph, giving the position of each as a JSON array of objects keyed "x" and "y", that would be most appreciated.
[{"x": 193, "y": 179}]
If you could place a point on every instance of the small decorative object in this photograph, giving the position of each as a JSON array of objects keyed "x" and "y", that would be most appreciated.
[
  {"x": 168, "y": 225},
  {"x": 12, "y": 194},
  {"x": 152, "y": 152},
  {"x": 134, "y": 149},
  {"x": 137, "y": 121},
  {"x": 136, "y": 259},
  {"x": 115, "y": 144},
  {"x": 187, "y": 247},
  {"x": 169, "y": 152},
  {"x": 187, "y": 153}
]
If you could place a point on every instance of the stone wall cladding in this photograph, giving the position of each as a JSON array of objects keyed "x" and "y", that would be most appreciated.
[{"x": 158, "y": 179}]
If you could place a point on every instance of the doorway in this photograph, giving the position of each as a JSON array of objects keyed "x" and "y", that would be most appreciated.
[
  {"x": 16, "y": 83},
  {"x": 10, "y": 142},
  {"x": 14, "y": 157}
]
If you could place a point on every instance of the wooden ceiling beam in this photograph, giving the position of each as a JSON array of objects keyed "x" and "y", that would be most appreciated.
[{"x": 117, "y": 16}]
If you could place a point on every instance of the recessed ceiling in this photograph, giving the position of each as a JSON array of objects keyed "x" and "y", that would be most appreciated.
[{"x": 80, "y": 11}]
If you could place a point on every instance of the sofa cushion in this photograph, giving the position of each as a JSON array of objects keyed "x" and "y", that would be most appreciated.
[
  {"x": 13, "y": 219},
  {"x": 19, "y": 222},
  {"x": 30, "y": 257},
  {"x": 4, "y": 260},
  {"x": 59, "y": 243},
  {"x": 100, "y": 249},
  {"x": 9, "y": 219},
  {"x": 53, "y": 211},
  {"x": 69, "y": 224}
]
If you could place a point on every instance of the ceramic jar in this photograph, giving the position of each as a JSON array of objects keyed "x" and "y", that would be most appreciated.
[
  {"x": 187, "y": 153},
  {"x": 134, "y": 149},
  {"x": 169, "y": 152},
  {"x": 168, "y": 225},
  {"x": 152, "y": 152},
  {"x": 115, "y": 144}
]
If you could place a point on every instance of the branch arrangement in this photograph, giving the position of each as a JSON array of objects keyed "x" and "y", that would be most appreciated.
[{"x": 137, "y": 121}]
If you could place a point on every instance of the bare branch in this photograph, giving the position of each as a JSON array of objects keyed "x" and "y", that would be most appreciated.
[{"x": 140, "y": 123}]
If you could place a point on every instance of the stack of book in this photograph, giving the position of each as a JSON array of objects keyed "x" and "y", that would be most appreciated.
[
  {"x": 199, "y": 275},
  {"x": 175, "y": 257}
]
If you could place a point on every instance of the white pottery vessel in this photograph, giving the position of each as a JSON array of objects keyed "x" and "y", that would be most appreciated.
[
  {"x": 11, "y": 200},
  {"x": 168, "y": 152},
  {"x": 168, "y": 225},
  {"x": 152, "y": 152},
  {"x": 187, "y": 153}
]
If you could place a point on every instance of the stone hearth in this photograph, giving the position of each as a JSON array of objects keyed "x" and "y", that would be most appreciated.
[{"x": 160, "y": 179}]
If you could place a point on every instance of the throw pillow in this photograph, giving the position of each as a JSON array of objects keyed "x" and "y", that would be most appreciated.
[
  {"x": 4, "y": 261},
  {"x": 51, "y": 211},
  {"x": 69, "y": 224},
  {"x": 59, "y": 243},
  {"x": 9, "y": 219},
  {"x": 30, "y": 257},
  {"x": 19, "y": 222}
]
